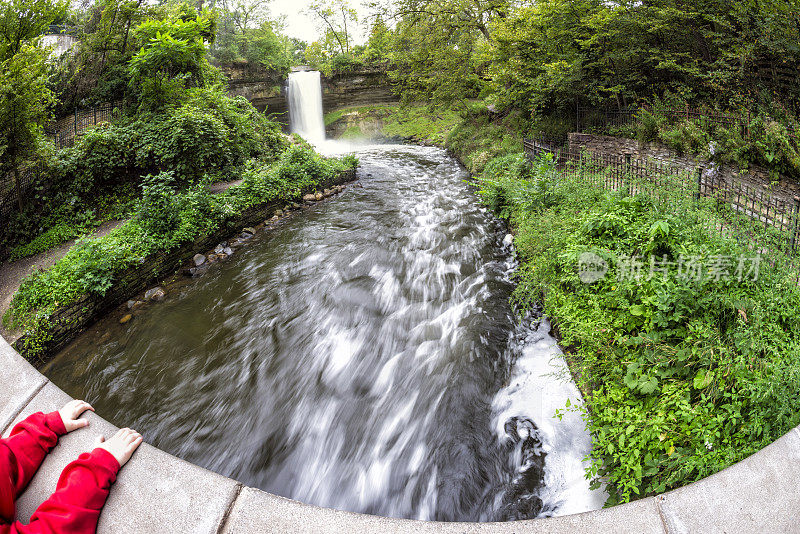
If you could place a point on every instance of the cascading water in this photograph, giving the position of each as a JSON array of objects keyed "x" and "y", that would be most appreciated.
[
  {"x": 362, "y": 356},
  {"x": 305, "y": 106}
]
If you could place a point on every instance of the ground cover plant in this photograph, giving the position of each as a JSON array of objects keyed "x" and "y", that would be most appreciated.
[
  {"x": 686, "y": 372},
  {"x": 166, "y": 217}
]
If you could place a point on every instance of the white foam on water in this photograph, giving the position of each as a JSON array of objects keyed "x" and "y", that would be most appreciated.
[{"x": 540, "y": 386}]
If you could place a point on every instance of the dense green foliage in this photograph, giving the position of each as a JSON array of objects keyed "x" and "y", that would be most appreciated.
[
  {"x": 547, "y": 56},
  {"x": 206, "y": 137},
  {"x": 544, "y": 59},
  {"x": 166, "y": 217},
  {"x": 683, "y": 375},
  {"x": 25, "y": 97},
  {"x": 767, "y": 138},
  {"x": 248, "y": 33}
]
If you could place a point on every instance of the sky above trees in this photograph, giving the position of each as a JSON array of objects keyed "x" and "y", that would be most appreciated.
[{"x": 301, "y": 25}]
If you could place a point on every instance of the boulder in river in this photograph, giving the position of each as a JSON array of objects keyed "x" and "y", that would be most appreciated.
[
  {"x": 509, "y": 240},
  {"x": 249, "y": 230},
  {"x": 227, "y": 251},
  {"x": 219, "y": 248},
  {"x": 125, "y": 318},
  {"x": 318, "y": 196},
  {"x": 157, "y": 294},
  {"x": 134, "y": 303},
  {"x": 198, "y": 260},
  {"x": 309, "y": 197}
]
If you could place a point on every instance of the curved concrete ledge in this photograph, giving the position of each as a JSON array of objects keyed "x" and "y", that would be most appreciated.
[{"x": 159, "y": 493}]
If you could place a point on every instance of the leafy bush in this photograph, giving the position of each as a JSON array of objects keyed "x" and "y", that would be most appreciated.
[
  {"x": 769, "y": 144},
  {"x": 682, "y": 376},
  {"x": 165, "y": 219},
  {"x": 172, "y": 58},
  {"x": 158, "y": 209},
  {"x": 101, "y": 158}
]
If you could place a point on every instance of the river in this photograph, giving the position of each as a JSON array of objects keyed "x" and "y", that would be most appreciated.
[{"x": 362, "y": 356}]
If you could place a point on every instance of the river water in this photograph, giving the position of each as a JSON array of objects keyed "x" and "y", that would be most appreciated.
[{"x": 362, "y": 356}]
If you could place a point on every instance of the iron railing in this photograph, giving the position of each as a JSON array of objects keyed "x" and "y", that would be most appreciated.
[{"x": 766, "y": 221}]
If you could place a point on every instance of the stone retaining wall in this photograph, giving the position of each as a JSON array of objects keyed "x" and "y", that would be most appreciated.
[
  {"x": 157, "y": 493},
  {"x": 68, "y": 321}
]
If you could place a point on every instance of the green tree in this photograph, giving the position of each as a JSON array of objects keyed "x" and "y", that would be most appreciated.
[
  {"x": 24, "y": 20},
  {"x": 379, "y": 43},
  {"x": 334, "y": 16},
  {"x": 436, "y": 45},
  {"x": 172, "y": 58},
  {"x": 25, "y": 98}
]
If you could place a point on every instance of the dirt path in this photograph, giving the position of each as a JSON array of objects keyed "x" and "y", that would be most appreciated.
[{"x": 11, "y": 274}]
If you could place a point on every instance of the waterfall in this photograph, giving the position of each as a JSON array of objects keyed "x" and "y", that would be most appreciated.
[{"x": 305, "y": 105}]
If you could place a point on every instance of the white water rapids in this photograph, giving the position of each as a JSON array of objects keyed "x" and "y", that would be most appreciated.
[{"x": 362, "y": 355}]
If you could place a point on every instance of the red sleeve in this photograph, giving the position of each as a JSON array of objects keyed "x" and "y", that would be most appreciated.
[
  {"x": 80, "y": 495},
  {"x": 23, "y": 451}
]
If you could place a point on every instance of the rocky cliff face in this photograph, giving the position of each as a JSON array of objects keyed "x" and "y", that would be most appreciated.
[
  {"x": 266, "y": 89},
  {"x": 356, "y": 89}
]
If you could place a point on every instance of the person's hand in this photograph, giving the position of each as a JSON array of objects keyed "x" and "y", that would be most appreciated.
[
  {"x": 121, "y": 445},
  {"x": 71, "y": 412}
]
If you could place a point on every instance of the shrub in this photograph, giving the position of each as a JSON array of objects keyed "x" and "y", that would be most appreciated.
[
  {"x": 158, "y": 209},
  {"x": 682, "y": 376},
  {"x": 166, "y": 218}
]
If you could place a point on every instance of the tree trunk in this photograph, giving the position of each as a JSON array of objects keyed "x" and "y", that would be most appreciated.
[
  {"x": 128, "y": 27},
  {"x": 346, "y": 37}
]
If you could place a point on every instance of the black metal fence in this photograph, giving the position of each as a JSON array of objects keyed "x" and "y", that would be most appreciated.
[
  {"x": 63, "y": 133},
  {"x": 66, "y": 130},
  {"x": 765, "y": 222}
]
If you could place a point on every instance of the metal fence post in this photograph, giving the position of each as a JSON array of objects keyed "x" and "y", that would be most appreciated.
[
  {"x": 699, "y": 183},
  {"x": 796, "y": 228}
]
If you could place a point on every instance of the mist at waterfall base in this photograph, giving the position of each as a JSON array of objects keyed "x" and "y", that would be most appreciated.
[{"x": 361, "y": 356}]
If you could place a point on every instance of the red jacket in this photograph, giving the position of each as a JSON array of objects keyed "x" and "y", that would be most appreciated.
[{"x": 81, "y": 491}]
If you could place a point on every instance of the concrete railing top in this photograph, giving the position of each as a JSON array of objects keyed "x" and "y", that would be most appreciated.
[{"x": 159, "y": 493}]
